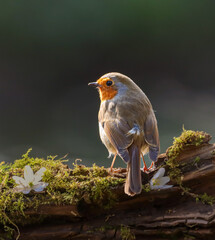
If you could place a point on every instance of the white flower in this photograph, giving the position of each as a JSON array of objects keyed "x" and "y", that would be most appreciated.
[
  {"x": 30, "y": 181},
  {"x": 158, "y": 181}
]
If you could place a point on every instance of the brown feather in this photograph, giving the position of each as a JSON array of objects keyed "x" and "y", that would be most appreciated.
[
  {"x": 133, "y": 184},
  {"x": 116, "y": 132},
  {"x": 152, "y": 136}
]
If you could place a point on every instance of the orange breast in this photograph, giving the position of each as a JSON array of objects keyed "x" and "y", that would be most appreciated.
[{"x": 107, "y": 93}]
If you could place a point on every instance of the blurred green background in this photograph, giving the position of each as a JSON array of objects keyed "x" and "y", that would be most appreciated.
[{"x": 50, "y": 50}]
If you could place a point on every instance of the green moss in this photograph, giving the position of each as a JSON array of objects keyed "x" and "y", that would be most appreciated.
[
  {"x": 175, "y": 175},
  {"x": 187, "y": 138},
  {"x": 180, "y": 144},
  {"x": 66, "y": 186},
  {"x": 196, "y": 160},
  {"x": 146, "y": 187},
  {"x": 206, "y": 199},
  {"x": 126, "y": 234}
]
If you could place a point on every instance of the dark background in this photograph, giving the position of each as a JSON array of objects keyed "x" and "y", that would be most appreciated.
[{"x": 50, "y": 50}]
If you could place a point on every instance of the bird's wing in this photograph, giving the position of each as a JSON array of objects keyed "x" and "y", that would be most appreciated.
[
  {"x": 152, "y": 136},
  {"x": 116, "y": 132}
]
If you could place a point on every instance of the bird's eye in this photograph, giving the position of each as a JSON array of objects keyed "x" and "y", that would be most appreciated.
[{"x": 109, "y": 83}]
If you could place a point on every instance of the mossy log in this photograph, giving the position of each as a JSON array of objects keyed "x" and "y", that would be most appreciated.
[{"x": 185, "y": 211}]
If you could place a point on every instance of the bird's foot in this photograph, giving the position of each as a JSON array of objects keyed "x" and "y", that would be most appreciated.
[
  {"x": 150, "y": 169},
  {"x": 145, "y": 169}
]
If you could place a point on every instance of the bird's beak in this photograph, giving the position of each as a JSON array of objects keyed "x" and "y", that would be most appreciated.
[{"x": 95, "y": 84}]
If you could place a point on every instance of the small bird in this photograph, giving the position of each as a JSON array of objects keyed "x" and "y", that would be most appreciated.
[{"x": 127, "y": 125}]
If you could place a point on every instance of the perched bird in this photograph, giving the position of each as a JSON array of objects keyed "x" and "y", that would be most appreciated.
[{"x": 127, "y": 125}]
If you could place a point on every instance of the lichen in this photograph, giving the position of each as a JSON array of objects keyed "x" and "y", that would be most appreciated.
[
  {"x": 66, "y": 187},
  {"x": 126, "y": 234}
]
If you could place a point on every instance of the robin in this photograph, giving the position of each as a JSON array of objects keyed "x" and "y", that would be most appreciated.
[{"x": 127, "y": 125}]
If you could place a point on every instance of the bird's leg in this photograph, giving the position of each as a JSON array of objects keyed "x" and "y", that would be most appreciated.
[
  {"x": 111, "y": 167},
  {"x": 145, "y": 169},
  {"x": 152, "y": 165}
]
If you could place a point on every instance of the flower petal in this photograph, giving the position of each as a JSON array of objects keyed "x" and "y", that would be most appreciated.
[
  {"x": 40, "y": 186},
  {"x": 159, "y": 173},
  {"x": 22, "y": 189},
  {"x": 164, "y": 180},
  {"x": 38, "y": 175},
  {"x": 156, "y": 187},
  {"x": 28, "y": 174},
  {"x": 18, "y": 189},
  {"x": 26, "y": 190},
  {"x": 19, "y": 180},
  {"x": 151, "y": 182},
  {"x": 166, "y": 186}
]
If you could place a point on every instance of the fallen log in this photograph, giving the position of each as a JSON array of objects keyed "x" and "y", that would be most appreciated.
[{"x": 185, "y": 211}]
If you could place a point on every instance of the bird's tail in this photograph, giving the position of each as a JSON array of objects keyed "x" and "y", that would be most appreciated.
[{"x": 133, "y": 184}]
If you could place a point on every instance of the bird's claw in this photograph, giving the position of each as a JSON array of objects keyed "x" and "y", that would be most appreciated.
[{"x": 150, "y": 169}]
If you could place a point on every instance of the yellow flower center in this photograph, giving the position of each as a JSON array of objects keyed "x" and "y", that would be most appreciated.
[{"x": 155, "y": 182}]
